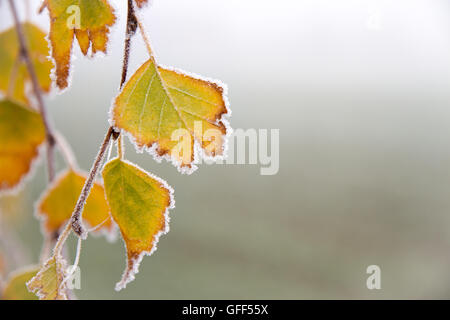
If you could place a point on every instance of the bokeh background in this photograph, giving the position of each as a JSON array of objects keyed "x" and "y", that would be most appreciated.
[{"x": 360, "y": 92}]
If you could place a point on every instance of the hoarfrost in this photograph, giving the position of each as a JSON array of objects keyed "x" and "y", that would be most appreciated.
[
  {"x": 96, "y": 231},
  {"x": 35, "y": 162},
  {"x": 132, "y": 267},
  {"x": 199, "y": 153}
]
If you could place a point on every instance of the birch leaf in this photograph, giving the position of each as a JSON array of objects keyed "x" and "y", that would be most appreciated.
[
  {"x": 47, "y": 283},
  {"x": 57, "y": 204},
  {"x": 22, "y": 132},
  {"x": 16, "y": 288},
  {"x": 139, "y": 205},
  {"x": 87, "y": 20},
  {"x": 13, "y": 69},
  {"x": 166, "y": 111}
]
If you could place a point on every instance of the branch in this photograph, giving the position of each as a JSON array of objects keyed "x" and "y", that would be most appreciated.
[
  {"x": 25, "y": 55},
  {"x": 129, "y": 33},
  {"x": 146, "y": 40},
  {"x": 75, "y": 221}
]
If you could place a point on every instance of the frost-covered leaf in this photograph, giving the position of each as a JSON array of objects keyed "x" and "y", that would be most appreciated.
[
  {"x": 22, "y": 132},
  {"x": 139, "y": 205},
  {"x": 13, "y": 68},
  {"x": 48, "y": 282},
  {"x": 168, "y": 110},
  {"x": 16, "y": 288},
  {"x": 87, "y": 20},
  {"x": 57, "y": 203}
]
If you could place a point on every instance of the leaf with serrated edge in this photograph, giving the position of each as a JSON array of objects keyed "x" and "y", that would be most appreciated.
[
  {"x": 56, "y": 205},
  {"x": 16, "y": 289},
  {"x": 47, "y": 284},
  {"x": 15, "y": 70},
  {"x": 96, "y": 17},
  {"x": 22, "y": 132},
  {"x": 140, "y": 204},
  {"x": 158, "y": 102}
]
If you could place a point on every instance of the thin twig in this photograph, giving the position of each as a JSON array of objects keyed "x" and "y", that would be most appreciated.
[
  {"x": 74, "y": 266},
  {"x": 66, "y": 151},
  {"x": 129, "y": 33},
  {"x": 146, "y": 39},
  {"x": 75, "y": 221},
  {"x": 46, "y": 249},
  {"x": 57, "y": 250},
  {"x": 37, "y": 92}
]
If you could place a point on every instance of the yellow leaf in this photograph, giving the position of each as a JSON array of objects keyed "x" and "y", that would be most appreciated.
[
  {"x": 57, "y": 203},
  {"x": 139, "y": 205},
  {"x": 165, "y": 111},
  {"x": 88, "y": 20},
  {"x": 13, "y": 69},
  {"x": 48, "y": 282},
  {"x": 22, "y": 132},
  {"x": 16, "y": 288}
]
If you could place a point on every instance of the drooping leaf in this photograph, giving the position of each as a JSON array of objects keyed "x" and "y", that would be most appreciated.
[
  {"x": 139, "y": 205},
  {"x": 57, "y": 204},
  {"x": 168, "y": 110},
  {"x": 14, "y": 73},
  {"x": 47, "y": 284},
  {"x": 87, "y": 20},
  {"x": 22, "y": 132},
  {"x": 16, "y": 288}
]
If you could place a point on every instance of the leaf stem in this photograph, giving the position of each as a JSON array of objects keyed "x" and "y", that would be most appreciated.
[
  {"x": 146, "y": 39},
  {"x": 62, "y": 239},
  {"x": 42, "y": 7},
  {"x": 37, "y": 92},
  {"x": 46, "y": 249},
  {"x": 75, "y": 220},
  {"x": 120, "y": 151}
]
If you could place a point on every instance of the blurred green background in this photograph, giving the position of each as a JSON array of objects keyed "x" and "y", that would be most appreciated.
[{"x": 360, "y": 93}]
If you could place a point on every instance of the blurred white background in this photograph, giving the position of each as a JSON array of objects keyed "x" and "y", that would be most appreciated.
[{"x": 360, "y": 92}]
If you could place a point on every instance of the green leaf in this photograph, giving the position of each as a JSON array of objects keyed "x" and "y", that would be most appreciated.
[
  {"x": 47, "y": 284},
  {"x": 139, "y": 205},
  {"x": 165, "y": 111}
]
